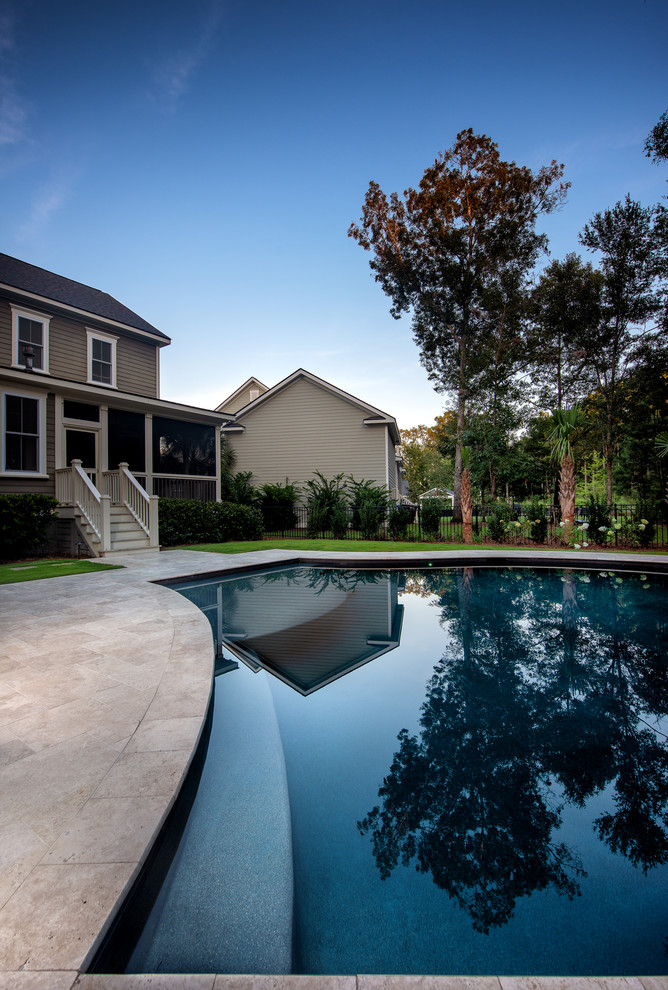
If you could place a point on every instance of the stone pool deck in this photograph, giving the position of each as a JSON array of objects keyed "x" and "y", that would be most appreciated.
[{"x": 104, "y": 686}]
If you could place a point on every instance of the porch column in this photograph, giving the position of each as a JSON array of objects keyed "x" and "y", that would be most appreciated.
[
  {"x": 148, "y": 451},
  {"x": 218, "y": 472},
  {"x": 103, "y": 452}
]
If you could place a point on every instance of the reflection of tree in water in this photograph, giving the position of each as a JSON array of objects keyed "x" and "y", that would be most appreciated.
[
  {"x": 533, "y": 687},
  {"x": 319, "y": 580}
]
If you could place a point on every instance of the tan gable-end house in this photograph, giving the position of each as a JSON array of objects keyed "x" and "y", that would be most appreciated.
[
  {"x": 305, "y": 424},
  {"x": 81, "y": 416}
]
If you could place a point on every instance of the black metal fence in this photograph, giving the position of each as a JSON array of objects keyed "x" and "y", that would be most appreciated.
[{"x": 623, "y": 526}]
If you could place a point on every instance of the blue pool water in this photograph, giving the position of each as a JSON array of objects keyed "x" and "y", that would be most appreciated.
[{"x": 444, "y": 771}]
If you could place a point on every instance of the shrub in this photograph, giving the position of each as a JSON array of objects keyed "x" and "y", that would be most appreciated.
[
  {"x": 371, "y": 518},
  {"x": 338, "y": 521},
  {"x": 644, "y": 526},
  {"x": 497, "y": 524},
  {"x": 400, "y": 517},
  {"x": 598, "y": 518},
  {"x": 369, "y": 503},
  {"x": 431, "y": 511},
  {"x": 23, "y": 523},
  {"x": 538, "y": 521},
  {"x": 277, "y": 503},
  {"x": 237, "y": 488},
  {"x": 326, "y": 500},
  {"x": 192, "y": 521}
]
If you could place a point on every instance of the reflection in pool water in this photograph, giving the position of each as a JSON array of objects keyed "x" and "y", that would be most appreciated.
[{"x": 484, "y": 792}]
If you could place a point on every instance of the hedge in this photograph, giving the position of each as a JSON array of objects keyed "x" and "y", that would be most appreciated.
[
  {"x": 23, "y": 523},
  {"x": 193, "y": 521}
]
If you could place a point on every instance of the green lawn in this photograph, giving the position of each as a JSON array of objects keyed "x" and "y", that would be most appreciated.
[
  {"x": 375, "y": 546},
  {"x": 35, "y": 570}
]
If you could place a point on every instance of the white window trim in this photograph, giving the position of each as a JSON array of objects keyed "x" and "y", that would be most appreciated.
[
  {"x": 41, "y": 412},
  {"x": 92, "y": 335},
  {"x": 17, "y": 359}
]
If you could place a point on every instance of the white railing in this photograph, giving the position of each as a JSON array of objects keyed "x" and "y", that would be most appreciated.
[
  {"x": 74, "y": 487},
  {"x": 140, "y": 504},
  {"x": 124, "y": 489}
]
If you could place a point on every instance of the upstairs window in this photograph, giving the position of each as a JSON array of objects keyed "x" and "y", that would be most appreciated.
[
  {"x": 30, "y": 331},
  {"x": 101, "y": 359}
]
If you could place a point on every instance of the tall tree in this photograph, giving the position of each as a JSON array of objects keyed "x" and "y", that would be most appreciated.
[
  {"x": 424, "y": 466},
  {"x": 566, "y": 422},
  {"x": 626, "y": 240},
  {"x": 456, "y": 252},
  {"x": 656, "y": 145},
  {"x": 566, "y": 311}
]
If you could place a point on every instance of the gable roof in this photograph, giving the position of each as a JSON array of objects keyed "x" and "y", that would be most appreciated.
[
  {"x": 374, "y": 416},
  {"x": 252, "y": 382},
  {"x": 33, "y": 281}
]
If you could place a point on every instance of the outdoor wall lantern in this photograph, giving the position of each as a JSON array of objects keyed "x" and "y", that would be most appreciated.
[{"x": 29, "y": 357}]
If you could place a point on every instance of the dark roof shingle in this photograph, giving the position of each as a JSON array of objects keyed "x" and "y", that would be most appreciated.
[{"x": 29, "y": 278}]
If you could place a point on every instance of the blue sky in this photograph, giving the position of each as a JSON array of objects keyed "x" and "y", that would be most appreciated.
[{"x": 202, "y": 161}]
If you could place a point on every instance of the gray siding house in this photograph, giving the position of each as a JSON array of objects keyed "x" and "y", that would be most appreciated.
[
  {"x": 79, "y": 396},
  {"x": 305, "y": 424}
]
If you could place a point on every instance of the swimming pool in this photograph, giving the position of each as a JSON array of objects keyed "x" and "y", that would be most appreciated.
[{"x": 443, "y": 771}]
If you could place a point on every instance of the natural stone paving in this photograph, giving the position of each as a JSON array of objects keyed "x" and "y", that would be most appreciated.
[{"x": 104, "y": 685}]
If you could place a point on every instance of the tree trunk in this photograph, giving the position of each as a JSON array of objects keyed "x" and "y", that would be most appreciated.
[
  {"x": 567, "y": 496},
  {"x": 467, "y": 507},
  {"x": 461, "y": 422}
]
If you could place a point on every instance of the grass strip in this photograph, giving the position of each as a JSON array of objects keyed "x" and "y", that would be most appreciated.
[
  {"x": 387, "y": 546},
  {"x": 37, "y": 570}
]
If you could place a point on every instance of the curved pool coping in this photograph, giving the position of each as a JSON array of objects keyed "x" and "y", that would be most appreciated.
[{"x": 105, "y": 682}]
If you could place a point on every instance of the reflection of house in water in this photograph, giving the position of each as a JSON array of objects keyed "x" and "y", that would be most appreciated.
[{"x": 306, "y": 627}]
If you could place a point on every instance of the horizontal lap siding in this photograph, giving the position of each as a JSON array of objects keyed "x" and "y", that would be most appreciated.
[
  {"x": 135, "y": 360},
  {"x": 304, "y": 429},
  {"x": 136, "y": 367},
  {"x": 5, "y": 334},
  {"x": 67, "y": 349},
  {"x": 391, "y": 467},
  {"x": 241, "y": 400}
]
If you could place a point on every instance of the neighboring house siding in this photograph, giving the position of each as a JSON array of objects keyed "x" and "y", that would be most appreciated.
[
  {"x": 391, "y": 466},
  {"x": 242, "y": 399},
  {"x": 303, "y": 429}
]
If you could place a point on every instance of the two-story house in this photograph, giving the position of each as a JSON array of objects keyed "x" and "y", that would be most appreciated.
[
  {"x": 79, "y": 396},
  {"x": 305, "y": 424}
]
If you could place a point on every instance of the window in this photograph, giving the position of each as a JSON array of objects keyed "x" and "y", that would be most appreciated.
[
  {"x": 183, "y": 448},
  {"x": 22, "y": 434},
  {"x": 30, "y": 330},
  {"x": 101, "y": 359},
  {"x": 126, "y": 440},
  {"x": 81, "y": 410}
]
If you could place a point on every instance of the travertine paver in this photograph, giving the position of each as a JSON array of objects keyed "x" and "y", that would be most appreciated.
[{"x": 104, "y": 685}]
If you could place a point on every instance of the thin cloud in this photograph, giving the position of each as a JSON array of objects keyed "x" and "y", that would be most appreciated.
[
  {"x": 174, "y": 76},
  {"x": 13, "y": 110},
  {"x": 47, "y": 202}
]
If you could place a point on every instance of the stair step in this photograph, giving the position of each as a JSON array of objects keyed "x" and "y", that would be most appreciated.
[{"x": 130, "y": 544}]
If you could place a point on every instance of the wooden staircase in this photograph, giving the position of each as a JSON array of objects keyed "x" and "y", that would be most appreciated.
[{"x": 122, "y": 520}]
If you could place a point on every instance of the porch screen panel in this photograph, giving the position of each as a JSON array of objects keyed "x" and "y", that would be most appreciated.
[
  {"x": 183, "y": 448},
  {"x": 126, "y": 441}
]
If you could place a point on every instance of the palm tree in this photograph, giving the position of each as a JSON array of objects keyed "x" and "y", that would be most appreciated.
[
  {"x": 566, "y": 421},
  {"x": 662, "y": 450}
]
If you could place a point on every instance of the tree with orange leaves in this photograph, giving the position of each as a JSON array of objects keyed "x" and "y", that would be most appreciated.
[{"x": 457, "y": 253}]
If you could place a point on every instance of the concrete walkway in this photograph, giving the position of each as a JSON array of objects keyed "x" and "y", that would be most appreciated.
[{"x": 104, "y": 686}]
